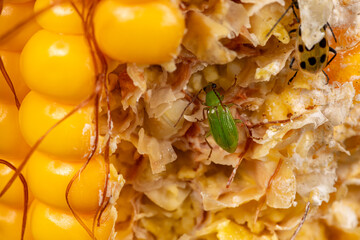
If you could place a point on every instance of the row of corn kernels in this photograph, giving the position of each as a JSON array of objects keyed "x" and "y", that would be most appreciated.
[
  {"x": 56, "y": 65},
  {"x": 13, "y": 147}
]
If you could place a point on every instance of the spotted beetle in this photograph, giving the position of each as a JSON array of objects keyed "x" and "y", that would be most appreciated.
[
  {"x": 315, "y": 59},
  {"x": 311, "y": 60}
]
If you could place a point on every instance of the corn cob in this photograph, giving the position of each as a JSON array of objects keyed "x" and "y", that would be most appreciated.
[{"x": 73, "y": 158}]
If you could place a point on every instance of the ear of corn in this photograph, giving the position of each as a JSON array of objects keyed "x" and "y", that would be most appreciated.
[
  {"x": 56, "y": 66},
  {"x": 11, "y": 15}
]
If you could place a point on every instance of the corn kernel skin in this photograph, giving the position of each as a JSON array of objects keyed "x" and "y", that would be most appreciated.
[
  {"x": 17, "y": 1},
  {"x": 61, "y": 19},
  {"x": 11, "y": 64},
  {"x": 12, "y": 144},
  {"x": 10, "y": 223},
  {"x": 14, "y": 196},
  {"x": 11, "y": 15},
  {"x": 70, "y": 139},
  {"x": 57, "y": 174},
  {"x": 147, "y": 32},
  {"x": 55, "y": 224},
  {"x": 58, "y": 66}
]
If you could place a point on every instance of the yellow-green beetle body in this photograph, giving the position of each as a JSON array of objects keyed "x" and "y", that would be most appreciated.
[
  {"x": 312, "y": 60},
  {"x": 222, "y": 124}
]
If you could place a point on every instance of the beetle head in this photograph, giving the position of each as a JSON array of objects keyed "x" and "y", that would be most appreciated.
[{"x": 210, "y": 87}]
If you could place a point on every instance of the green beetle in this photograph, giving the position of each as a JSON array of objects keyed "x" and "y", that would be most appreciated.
[{"x": 222, "y": 124}]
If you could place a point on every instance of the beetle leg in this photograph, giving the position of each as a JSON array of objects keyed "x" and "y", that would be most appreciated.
[
  {"x": 332, "y": 32},
  {"x": 327, "y": 77},
  {"x": 277, "y": 22},
  {"x": 292, "y": 78},
  {"x": 183, "y": 112},
  {"x": 292, "y": 6},
  {"x": 211, "y": 148},
  {"x": 292, "y": 31},
  {"x": 334, "y": 52},
  {"x": 204, "y": 113},
  {"x": 291, "y": 64},
  {"x": 238, "y": 121}
]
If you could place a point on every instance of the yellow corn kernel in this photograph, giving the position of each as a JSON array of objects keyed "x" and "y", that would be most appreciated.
[
  {"x": 344, "y": 68},
  {"x": 231, "y": 231},
  {"x": 309, "y": 228},
  {"x": 12, "y": 144},
  {"x": 55, "y": 224},
  {"x": 11, "y": 64},
  {"x": 58, "y": 66},
  {"x": 275, "y": 109},
  {"x": 14, "y": 196},
  {"x": 17, "y": 1},
  {"x": 62, "y": 18},
  {"x": 70, "y": 139},
  {"x": 11, "y": 15},
  {"x": 57, "y": 175},
  {"x": 141, "y": 31},
  {"x": 11, "y": 223}
]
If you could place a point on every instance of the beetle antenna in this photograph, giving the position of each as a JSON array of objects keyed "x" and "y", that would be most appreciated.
[
  {"x": 268, "y": 187},
  {"x": 234, "y": 84},
  {"x": 307, "y": 208},
  {"x": 275, "y": 122},
  {"x": 277, "y": 22},
  {"x": 217, "y": 95},
  {"x": 241, "y": 157},
  {"x": 183, "y": 112}
]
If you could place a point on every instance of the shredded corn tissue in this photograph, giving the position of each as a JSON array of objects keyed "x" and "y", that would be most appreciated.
[{"x": 173, "y": 190}]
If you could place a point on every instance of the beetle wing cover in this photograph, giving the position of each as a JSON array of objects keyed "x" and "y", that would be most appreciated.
[{"x": 223, "y": 128}]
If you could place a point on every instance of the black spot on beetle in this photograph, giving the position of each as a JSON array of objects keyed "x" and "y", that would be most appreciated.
[
  {"x": 300, "y": 31},
  {"x": 322, "y": 43},
  {"x": 312, "y": 61},
  {"x": 323, "y": 58},
  {"x": 303, "y": 65},
  {"x": 301, "y": 48}
]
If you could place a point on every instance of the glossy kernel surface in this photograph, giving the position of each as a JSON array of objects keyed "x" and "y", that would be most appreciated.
[
  {"x": 70, "y": 139},
  {"x": 84, "y": 193},
  {"x": 51, "y": 223},
  {"x": 58, "y": 66},
  {"x": 148, "y": 32},
  {"x": 61, "y": 18},
  {"x": 13, "y": 14}
]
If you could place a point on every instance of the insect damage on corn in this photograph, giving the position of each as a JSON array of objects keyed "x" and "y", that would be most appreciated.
[{"x": 123, "y": 125}]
